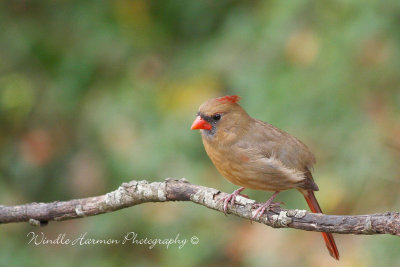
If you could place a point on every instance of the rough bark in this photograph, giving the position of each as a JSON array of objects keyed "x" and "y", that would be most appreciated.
[{"x": 138, "y": 192}]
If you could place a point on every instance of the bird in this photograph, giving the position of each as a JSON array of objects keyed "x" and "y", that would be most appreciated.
[{"x": 254, "y": 154}]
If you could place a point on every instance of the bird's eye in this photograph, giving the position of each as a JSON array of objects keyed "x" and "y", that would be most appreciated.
[{"x": 216, "y": 117}]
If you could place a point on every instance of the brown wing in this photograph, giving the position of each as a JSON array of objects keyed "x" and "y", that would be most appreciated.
[
  {"x": 288, "y": 149},
  {"x": 309, "y": 182}
]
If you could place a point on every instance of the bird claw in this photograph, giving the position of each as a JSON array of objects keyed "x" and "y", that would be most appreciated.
[
  {"x": 265, "y": 206},
  {"x": 272, "y": 205},
  {"x": 232, "y": 198}
]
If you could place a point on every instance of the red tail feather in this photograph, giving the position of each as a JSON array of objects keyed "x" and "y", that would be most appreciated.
[{"x": 315, "y": 208}]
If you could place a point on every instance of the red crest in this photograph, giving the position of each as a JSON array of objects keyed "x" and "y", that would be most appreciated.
[{"x": 229, "y": 98}]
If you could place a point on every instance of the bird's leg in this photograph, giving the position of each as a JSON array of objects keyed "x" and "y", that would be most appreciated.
[
  {"x": 262, "y": 207},
  {"x": 232, "y": 197}
]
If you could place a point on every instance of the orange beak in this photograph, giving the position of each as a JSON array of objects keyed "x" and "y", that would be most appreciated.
[{"x": 199, "y": 123}]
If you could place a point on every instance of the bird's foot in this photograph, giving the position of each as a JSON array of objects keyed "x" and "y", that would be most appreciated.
[
  {"x": 261, "y": 207},
  {"x": 232, "y": 198}
]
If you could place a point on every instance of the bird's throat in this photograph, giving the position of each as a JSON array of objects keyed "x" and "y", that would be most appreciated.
[{"x": 209, "y": 134}]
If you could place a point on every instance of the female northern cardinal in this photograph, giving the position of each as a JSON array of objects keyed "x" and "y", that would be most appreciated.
[{"x": 254, "y": 154}]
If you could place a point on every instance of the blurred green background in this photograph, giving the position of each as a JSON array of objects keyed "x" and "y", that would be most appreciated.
[{"x": 96, "y": 93}]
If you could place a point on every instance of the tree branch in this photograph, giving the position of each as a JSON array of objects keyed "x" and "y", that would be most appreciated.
[{"x": 138, "y": 192}]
